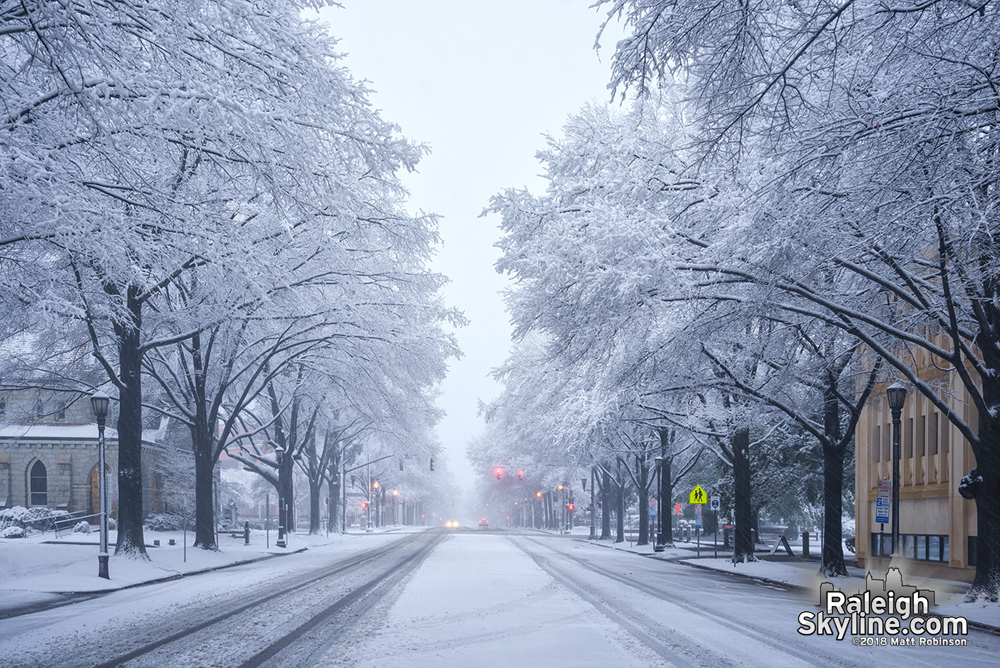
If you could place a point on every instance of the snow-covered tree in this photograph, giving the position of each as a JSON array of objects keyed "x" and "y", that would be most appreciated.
[{"x": 867, "y": 138}]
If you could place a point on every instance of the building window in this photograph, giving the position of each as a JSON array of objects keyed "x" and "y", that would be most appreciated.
[
  {"x": 39, "y": 485},
  {"x": 39, "y": 408},
  {"x": 61, "y": 413},
  {"x": 918, "y": 547},
  {"x": 3, "y": 408}
]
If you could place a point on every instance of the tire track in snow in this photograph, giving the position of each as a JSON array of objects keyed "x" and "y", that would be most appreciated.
[
  {"x": 339, "y": 569},
  {"x": 343, "y": 614},
  {"x": 656, "y": 635}
]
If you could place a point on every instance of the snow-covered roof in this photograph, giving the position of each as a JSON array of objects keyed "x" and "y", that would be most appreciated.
[
  {"x": 54, "y": 431},
  {"x": 63, "y": 432}
]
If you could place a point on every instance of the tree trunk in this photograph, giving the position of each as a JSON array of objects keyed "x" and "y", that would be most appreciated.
[
  {"x": 986, "y": 584},
  {"x": 204, "y": 500},
  {"x": 333, "y": 490},
  {"x": 314, "y": 511},
  {"x": 643, "y": 503},
  {"x": 833, "y": 487},
  {"x": 620, "y": 507},
  {"x": 287, "y": 493},
  {"x": 130, "y": 537},
  {"x": 667, "y": 482},
  {"x": 605, "y": 505},
  {"x": 743, "y": 544}
]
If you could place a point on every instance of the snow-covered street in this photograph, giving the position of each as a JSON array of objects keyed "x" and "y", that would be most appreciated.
[{"x": 452, "y": 598}]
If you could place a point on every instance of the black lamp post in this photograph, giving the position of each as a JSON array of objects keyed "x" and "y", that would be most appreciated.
[
  {"x": 561, "y": 516},
  {"x": 660, "y": 542},
  {"x": 99, "y": 402},
  {"x": 896, "y": 393},
  {"x": 593, "y": 508},
  {"x": 279, "y": 453}
]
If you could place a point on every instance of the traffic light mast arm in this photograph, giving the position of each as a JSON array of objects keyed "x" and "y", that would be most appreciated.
[{"x": 369, "y": 463}]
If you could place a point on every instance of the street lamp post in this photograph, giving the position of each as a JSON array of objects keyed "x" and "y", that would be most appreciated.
[
  {"x": 592, "y": 508},
  {"x": 660, "y": 538},
  {"x": 99, "y": 402},
  {"x": 282, "y": 515},
  {"x": 896, "y": 393},
  {"x": 561, "y": 515}
]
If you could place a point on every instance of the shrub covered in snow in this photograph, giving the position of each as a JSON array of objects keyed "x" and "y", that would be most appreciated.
[
  {"x": 163, "y": 522},
  {"x": 112, "y": 524},
  {"x": 39, "y": 519},
  {"x": 12, "y": 532},
  {"x": 82, "y": 527},
  {"x": 847, "y": 525}
]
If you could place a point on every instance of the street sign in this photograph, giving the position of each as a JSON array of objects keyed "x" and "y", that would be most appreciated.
[
  {"x": 697, "y": 517},
  {"x": 714, "y": 503},
  {"x": 882, "y": 501},
  {"x": 881, "y": 510},
  {"x": 697, "y": 495}
]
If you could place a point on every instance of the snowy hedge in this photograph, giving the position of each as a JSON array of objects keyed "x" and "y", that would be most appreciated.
[
  {"x": 12, "y": 532},
  {"x": 39, "y": 519},
  {"x": 848, "y": 529},
  {"x": 82, "y": 527},
  {"x": 163, "y": 522}
]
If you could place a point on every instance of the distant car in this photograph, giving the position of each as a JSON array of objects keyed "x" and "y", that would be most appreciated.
[
  {"x": 484, "y": 523},
  {"x": 451, "y": 524}
]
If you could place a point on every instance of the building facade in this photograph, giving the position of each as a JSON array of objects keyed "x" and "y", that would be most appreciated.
[
  {"x": 49, "y": 454},
  {"x": 937, "y": 526}
]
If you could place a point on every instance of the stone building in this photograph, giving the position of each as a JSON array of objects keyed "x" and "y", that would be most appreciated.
[{"x": 49, "y": 453}]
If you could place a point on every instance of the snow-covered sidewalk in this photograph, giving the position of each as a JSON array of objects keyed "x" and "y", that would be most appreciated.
[{"x": 41, "y": 568}]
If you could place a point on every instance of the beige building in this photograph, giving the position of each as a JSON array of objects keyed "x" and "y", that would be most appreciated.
[
  {"x": 937, "y": 526},
  {"x": 49, "y": 454}
]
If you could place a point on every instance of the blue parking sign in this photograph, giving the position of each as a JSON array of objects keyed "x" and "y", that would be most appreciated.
[{"x": 882, "y": 510}]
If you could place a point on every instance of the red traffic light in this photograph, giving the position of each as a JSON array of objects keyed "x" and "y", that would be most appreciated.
[
  {"x": 520, "y": 473},
  {"x": 570, "y": 507},
  {"x": 364, "y": 504},
  {"x": 499, "y": 472}
]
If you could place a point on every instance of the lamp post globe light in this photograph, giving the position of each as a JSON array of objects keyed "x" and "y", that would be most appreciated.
[
  {"x": 99, "y": 401},
  {"x": 279, "y": 454},
  {"x": 896, "y": 394}
]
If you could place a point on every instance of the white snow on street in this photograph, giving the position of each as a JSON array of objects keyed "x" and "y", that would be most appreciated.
[{"x": 479, "y": 601}]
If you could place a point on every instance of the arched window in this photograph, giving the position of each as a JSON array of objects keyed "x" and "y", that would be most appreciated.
[{"x": 39, "y": 484}]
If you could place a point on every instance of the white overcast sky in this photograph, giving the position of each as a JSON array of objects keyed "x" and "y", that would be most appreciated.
[{"x": 480, "y": 82}]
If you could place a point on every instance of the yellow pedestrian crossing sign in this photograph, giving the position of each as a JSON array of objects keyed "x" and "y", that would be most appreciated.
[{"x": 698, "y": 495}]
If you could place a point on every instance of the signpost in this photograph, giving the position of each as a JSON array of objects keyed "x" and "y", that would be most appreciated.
[
  {"x": 882, "y": 504},
  {"x": 697, "y": 499},
  {"x": 714, "y": 505}
]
